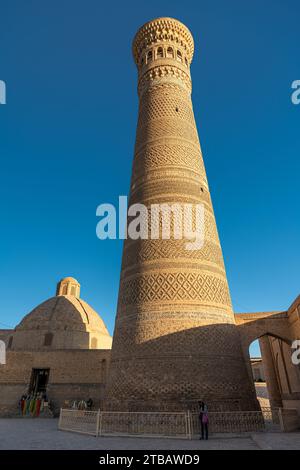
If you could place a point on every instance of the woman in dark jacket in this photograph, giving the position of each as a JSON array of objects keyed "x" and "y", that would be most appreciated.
[{"x": 203, "y": 417}]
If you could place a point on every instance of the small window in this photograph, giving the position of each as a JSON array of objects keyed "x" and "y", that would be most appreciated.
[
  {"x": 160, "y": 52},
  {"x": 149, "y": 56},
  {"x": 186, "y": 62},
  {"x": 170, "y": 53},
  {"x": 48, "y": 339},
  {"x": 179, "y": 56}
]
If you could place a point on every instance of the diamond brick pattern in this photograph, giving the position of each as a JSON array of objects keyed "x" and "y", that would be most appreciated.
[{"x": 175, "y": 338}]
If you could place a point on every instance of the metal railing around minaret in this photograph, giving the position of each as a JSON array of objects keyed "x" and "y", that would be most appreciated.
[{"x": 182, "y": 425}]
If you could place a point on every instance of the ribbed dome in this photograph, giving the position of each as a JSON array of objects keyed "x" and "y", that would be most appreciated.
[
  {"x": 63, "y": 313},
  {"x": 62, "y": 322}
]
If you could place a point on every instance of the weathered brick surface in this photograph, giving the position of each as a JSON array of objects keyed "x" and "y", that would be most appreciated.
[{"x": 74, "y": 375}]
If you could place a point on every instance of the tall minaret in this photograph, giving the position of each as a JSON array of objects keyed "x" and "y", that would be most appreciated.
[{"x": 175, "y": 339}]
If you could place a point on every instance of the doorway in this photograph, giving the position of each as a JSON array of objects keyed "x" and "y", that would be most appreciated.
[{"x": 39, "y": 381}]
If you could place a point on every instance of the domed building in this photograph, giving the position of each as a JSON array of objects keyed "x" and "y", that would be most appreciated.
[
  {"x": 60, "y": 349},
  {"x": 62, "y": 322}
]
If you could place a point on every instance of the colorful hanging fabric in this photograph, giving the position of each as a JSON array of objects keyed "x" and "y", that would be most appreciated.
[{"x": 38, "y": 407}]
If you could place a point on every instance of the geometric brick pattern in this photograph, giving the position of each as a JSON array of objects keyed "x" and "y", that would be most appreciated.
[
  {"x": 182, "y": 286},
  {"x": 178, "y": 155},
  {"x": 175, "y": 337},
  {"x": 161, "y": 106},
  {"x": 151, "y": 250}
]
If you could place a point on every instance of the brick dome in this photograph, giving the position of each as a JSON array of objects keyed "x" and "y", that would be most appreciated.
[{"x": 62, "y": 322}]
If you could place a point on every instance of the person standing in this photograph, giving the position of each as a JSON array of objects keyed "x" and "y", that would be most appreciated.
[
  {"x": 89, "y": 404},
  {"x": 203, "y": 417}
]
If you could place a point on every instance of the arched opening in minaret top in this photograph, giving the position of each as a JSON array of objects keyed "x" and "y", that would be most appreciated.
[
  {"x": 170, "y": 53},
  {"x": 160, "y": 53},
  {"x": 179, "y": 56},
  {"x": 149, "y": 56}
]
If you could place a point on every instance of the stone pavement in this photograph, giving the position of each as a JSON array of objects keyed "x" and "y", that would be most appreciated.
[{"x": 43, "y": 434}]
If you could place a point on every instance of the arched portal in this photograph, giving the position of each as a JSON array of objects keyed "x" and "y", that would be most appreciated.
[
  {"x": 269, "y": 369},
  {"x": 273, "y": 332}
]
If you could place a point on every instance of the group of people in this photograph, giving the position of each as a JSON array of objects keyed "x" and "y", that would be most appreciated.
[
  {"x": 82, "y": 404},
  {"x": 33, "y": 404}
]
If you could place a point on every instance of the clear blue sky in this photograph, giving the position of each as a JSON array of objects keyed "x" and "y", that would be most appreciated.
[{"x": 71, "y": 83}]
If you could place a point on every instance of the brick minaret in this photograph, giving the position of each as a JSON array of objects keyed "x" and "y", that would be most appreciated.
[{"x": 175, "y": 338}]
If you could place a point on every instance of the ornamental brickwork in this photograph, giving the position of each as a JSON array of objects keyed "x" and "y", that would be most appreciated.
[{"x": 175, "y": 339}]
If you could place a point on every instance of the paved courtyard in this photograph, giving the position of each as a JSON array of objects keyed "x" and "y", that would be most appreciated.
[{"x": 43, "y": 434}]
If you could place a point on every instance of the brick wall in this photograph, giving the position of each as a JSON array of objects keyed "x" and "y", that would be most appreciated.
[{"x": 74, "y": 375}]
